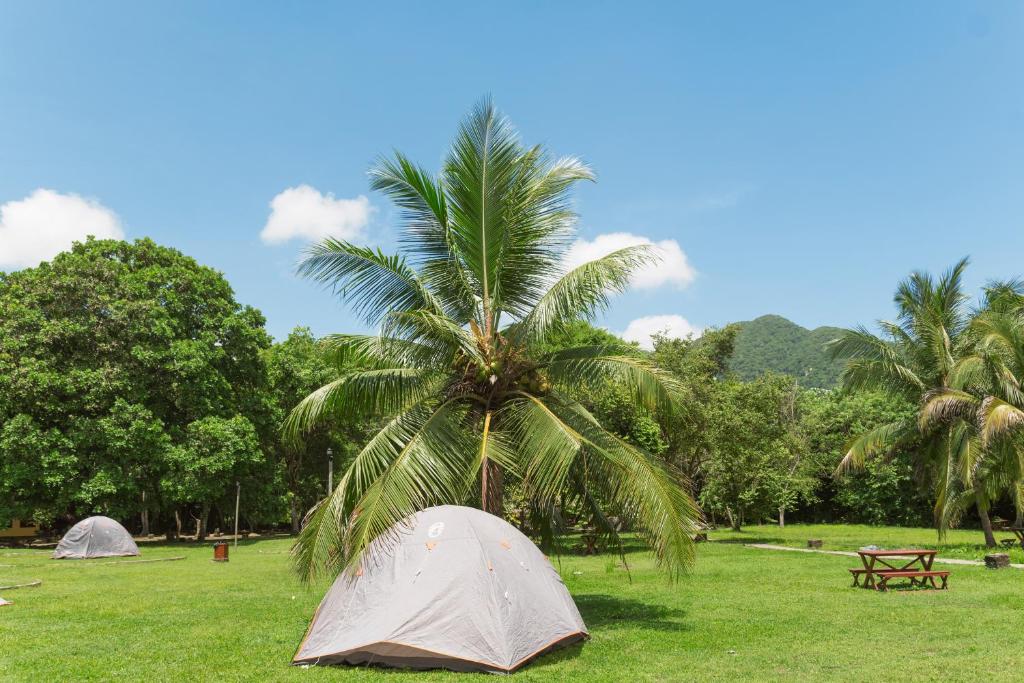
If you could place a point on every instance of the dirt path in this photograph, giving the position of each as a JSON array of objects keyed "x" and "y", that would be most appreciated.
[{"x": 846, "y": 553}]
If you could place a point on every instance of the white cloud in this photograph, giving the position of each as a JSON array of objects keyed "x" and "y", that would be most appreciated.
[
  {"x": 673, "y": 268},
  {"x": 45, "y": 223},
  {"x": 642, "y": 329},
  {"x": 304, "y": 212}
]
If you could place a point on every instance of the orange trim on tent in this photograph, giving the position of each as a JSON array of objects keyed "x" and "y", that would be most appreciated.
[{"x": 491, "y": 665}]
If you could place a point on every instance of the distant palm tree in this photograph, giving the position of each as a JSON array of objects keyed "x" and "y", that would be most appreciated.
[
  {"x": 985, "y": 391},
  {"x": 920, "y": 357},
  {"x": 458, "y": 366}
]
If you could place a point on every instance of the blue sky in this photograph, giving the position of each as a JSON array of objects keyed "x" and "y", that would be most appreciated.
[{"x": 803, "y": 156}]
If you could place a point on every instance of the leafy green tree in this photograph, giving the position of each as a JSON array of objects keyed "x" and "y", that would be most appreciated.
[
  {"x": 459, "y": 366},
  {"x": 107, "y": 355},
  {"x": 916, "y": 358},
  {"x": 757, "y": 465},
  {"x": 698, "y": 365},
  {"x": 296, "y": 367},
  {"x": 216, "y": 454},
  {"x": 884, "y": 490}
]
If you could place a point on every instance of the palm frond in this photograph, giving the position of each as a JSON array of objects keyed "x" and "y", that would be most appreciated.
[
  {"x": 540, "y": 225},
  {"x": 545, "y": 444},
  {"x": 592, "y": 367},
  {"x": 478, "y": 174},
  {"x": 876, "y": 442},
  {"x": 426, "y": 467},
  {"x": 874, "y": 363},
  {"x": 379, "y": 351},
  {"x": 371, "y": 281},
  {"x": 427, "y": 231},
  {"x": 640, "y": 485},
  {"x": 945, "y": 405},
  {"x": 998, "y": 419},
  {"x": 582, "y": 292},
  {"x": 415, "y": 459},
  {"x": 426, "y": 327},
  {"x": 376, "y": 392}
]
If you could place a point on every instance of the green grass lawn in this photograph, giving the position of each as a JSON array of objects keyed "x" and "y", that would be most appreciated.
[{"x": 741, "y": 614}]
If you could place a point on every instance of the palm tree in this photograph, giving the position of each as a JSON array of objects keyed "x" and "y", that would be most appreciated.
[
  {"x": 986, "y": 391},
  {"x": 920, "y": 357},
  {"x": 457, "y": 368}
]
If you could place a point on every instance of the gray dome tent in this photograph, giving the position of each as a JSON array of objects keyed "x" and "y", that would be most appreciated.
[
  {"x": 95, "y": 537},
  {"x": 457, "y": 588}
]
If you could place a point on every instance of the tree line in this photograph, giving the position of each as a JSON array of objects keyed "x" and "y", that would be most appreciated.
[{"x": 133, "y": 384}]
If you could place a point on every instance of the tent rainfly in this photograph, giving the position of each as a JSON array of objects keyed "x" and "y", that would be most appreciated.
[
  {"x": 451, "y": 588},
  {"x": 95, "y": 537}
]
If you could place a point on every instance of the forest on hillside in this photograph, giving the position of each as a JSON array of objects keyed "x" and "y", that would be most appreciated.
[{"x": 772, "y": 343}]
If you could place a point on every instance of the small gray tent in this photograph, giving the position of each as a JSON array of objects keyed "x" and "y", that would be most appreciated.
[
  {"x": 451, "y": 587},
  {"x": 95, "y": 537}
]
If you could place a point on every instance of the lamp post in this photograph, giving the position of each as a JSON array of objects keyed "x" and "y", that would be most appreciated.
[
  {"x": 330, "y": 471},
  {"x": 238, "y": 499}
]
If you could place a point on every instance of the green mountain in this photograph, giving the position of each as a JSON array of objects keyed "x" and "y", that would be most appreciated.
[{"x": 773, "y": 343}]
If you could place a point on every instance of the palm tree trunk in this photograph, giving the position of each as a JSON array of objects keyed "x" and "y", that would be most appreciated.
[
  {"x": 492, "y": 487},
  {"x": 986, "y": 526}
]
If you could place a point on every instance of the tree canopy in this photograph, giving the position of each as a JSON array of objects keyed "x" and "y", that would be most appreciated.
[
  {"x": 960, "y": 367},
  {"x": 460, "y": 367},
  {"x": 109, "y": 355}
]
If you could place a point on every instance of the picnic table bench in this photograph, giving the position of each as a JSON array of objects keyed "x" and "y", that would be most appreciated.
[
  {"x": 1018, "y": 531},
  {"x": 912, "y": 564}
]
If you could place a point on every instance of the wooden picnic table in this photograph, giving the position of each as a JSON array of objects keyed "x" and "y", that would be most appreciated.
[
  {"x": 909, "y": 563},
  {"x": 1018, "y": 531}
]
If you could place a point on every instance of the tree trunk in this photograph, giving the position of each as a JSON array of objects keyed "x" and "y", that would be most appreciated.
[
  {"x": 293, "y": 509},
  {"x": 734, "y": 520},
  {"x": 145, "y": 516},
  {"x": 986, "y": 526},
  {"x": 782, "y": 517},
  {"x": 204, "y": 516},
  {"x": 492, "y": 487},
  {"x": 174, "y": 530}
]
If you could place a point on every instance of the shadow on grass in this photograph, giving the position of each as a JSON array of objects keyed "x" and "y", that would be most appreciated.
[
  {"x": 191, "y": 543},
  {"x": 562, "y": 654},
  {"x": 604, "y": 611},
  {"x": 753, "y": 538},
  {"x": 573, "y": 545}
]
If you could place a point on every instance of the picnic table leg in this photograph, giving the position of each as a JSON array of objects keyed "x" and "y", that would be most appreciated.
[
  {"x": 869, "y": 577},
  {"x": 926, "y": 562}
]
